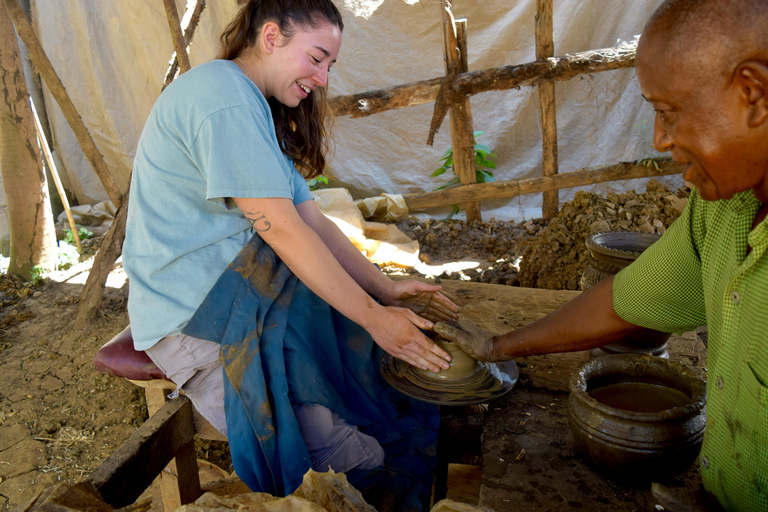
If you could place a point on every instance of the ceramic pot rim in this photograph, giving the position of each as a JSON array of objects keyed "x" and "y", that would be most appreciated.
[
  {"x": 593, "y": 243},
  {"x": 578, "y": 386}
]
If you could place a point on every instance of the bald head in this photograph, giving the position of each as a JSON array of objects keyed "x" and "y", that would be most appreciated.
[{"x": 709, "y": 35}]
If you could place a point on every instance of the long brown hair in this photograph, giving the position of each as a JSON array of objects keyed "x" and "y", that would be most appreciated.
[{"x": 300, "y": 130}]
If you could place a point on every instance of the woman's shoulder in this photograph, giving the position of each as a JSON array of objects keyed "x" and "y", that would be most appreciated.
[{"x": 212, "y": 86}]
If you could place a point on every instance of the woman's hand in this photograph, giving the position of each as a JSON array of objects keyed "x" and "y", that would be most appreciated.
[
  {"x": 470, "y": 338},
  {"x": 396, "y": 331},
  {"x": 423, "y": 299}
]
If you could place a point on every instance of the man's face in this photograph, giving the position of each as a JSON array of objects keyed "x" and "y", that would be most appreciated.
[{"x": 701, "y": 120}]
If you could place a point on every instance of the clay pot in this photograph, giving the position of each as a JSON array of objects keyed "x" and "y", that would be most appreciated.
[
  {"x": 610, "y": 252},
  {"x": 637, "y": 446}
]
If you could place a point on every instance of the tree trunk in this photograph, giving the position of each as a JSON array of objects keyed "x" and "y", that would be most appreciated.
[{"x": 33, "y": 236}]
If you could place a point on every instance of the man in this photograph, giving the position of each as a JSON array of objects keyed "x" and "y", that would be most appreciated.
[{"x": 703, "y": 65}]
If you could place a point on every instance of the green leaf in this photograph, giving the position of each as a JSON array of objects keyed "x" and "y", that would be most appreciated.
[
  {"x": 477, "y": 134},
  {"x": 438, "y": 172},
  {"x": 447, "y": 153},
  {"x": 482, "y": 148}
]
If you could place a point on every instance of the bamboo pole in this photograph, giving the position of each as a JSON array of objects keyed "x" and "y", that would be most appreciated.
[
  {"x": 188, "y": 25},
  {"x": 545, "y": 48},
  {"x": 177, "y": 35},
  {"x": 501, "y": 78},
  {"x": 55, "y": 175},
  {"x": 514, "y": 188},
  {"x": 57, "y": 90},
  {"x": 460, "y": 110}
]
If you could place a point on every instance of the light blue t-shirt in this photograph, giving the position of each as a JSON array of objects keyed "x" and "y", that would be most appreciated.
[{"x": 209, "y": 137}]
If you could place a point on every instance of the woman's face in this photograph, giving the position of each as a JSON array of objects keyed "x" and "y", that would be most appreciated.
[{"x": 300, "y": 63}]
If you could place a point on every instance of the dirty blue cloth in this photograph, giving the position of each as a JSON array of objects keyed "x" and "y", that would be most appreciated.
[{"x": 282, "y": 345}]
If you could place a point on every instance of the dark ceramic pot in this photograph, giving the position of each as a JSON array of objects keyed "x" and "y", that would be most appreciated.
[
  {"x": 610, "y": 252},
  {"x": 637, "y": 446}
]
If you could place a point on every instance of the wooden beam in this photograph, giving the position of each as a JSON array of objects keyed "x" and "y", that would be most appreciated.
[
  {"x": 460, "y": 111},
  {"x": 188, "y": 25},
  {"x": 514, "y": 188},
  {"x": 57, "y": 90},
  {"x": 545, "y": 48},
  {"x": 131, "y": 468},
  {"x": 177, "y": 35},
  {"x": 501, "y": 78}
]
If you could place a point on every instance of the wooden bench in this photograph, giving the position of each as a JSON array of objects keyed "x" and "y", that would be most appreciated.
[{"x": 164, "y": 445}]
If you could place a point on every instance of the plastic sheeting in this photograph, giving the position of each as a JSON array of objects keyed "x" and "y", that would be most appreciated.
[{"x": 112, "y": 56}]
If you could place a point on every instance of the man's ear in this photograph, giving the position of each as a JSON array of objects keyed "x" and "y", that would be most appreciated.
[
  {"x": 270, "y": 33},
  {"x": 752, "y": 79}
]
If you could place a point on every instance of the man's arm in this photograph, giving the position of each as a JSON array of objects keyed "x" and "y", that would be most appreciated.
[{"x": 586, "y": 322}]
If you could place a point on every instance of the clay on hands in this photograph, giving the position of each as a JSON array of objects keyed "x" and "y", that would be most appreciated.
[
  {"x": 470, "y": 338},
  {"x": 430, "y": 305}
]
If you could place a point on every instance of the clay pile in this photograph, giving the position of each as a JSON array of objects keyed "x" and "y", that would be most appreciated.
[
  {"x": 556, "y": 257},
  {"x": 553, "y": 252}
]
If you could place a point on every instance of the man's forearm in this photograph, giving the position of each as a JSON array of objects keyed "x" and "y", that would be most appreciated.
[{"x": 586, "y": 322}]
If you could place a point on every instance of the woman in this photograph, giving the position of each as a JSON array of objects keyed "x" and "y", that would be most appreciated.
[{"x": 231, "y": 263}]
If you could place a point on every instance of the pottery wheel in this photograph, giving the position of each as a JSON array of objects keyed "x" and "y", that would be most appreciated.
[{"x": 489, "y": 380}]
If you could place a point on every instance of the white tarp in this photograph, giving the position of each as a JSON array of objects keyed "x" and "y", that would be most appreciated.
[{"x": 112, "y": 55}]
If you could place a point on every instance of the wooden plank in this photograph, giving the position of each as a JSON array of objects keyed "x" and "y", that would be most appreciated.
[
  {"x": 545, "y": 48},
  {"x": 495, "y": 79},
  {"x": 514, "y": 188},
  {"x": 56, "y": 87},
  {"x": 131, "y": 468}
]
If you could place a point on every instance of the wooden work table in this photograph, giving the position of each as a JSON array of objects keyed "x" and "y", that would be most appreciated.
[{"x": 528, "y": 455}]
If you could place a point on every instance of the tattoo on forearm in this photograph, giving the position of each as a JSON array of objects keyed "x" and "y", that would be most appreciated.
[{"x": 258, "y": 220}]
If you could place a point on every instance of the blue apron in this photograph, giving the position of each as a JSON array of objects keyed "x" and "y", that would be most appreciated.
[{"x": 282, "y": 345}]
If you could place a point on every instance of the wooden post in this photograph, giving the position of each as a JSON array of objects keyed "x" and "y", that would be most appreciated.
[
  {"x": 460, "y": 112},
  {"x": 55, "y": 176},
  {"x": 188, "y": 25},
  {"x": 176, "y": 35},
  {"x": 40, "y": 60},
  {"x": 545, "y": 48}
]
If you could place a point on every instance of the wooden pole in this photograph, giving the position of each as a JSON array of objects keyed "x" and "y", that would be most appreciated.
[
  {"x": 460, "y": 110},
  {"x": 177, "y": 35},
  {"x": 188, "y": 25},
  {"x": 545, "y": 48},
  {"x": 514, "y": 188},
  {"x": 501, "y": 78},
  {"x": 57, "y": 90},
  {"x": 55, "y": 175}
]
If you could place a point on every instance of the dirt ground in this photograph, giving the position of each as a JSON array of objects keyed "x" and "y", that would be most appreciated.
[{"x": 60, "y": 418}]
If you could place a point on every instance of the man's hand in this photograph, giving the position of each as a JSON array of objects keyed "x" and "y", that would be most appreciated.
[
  {"x": 423, "y": 299},
  {"x": 396, "y": 330},
  {"x": 470, "y": 338}
]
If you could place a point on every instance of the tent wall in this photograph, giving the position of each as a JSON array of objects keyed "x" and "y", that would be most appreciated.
[{"x": 112, "y": 56}]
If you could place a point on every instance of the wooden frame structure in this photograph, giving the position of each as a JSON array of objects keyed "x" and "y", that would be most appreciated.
[{"x": 451, "y": 95}]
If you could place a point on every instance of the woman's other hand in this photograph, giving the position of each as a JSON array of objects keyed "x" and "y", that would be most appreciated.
[
  {"x": 397, "y": 332},
  {"x": 423, "y": 299},
  {"x": 470, "y": 338}
]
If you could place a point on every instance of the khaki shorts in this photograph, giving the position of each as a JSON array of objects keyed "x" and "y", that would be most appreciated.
[{"x": 193, "y": 365}]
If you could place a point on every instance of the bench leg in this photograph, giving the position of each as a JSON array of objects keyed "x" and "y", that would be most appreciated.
[{"x": 180, "y": 480}]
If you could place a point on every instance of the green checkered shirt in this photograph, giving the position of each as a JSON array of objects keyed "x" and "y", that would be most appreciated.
[{"x": 700, "y": 273}]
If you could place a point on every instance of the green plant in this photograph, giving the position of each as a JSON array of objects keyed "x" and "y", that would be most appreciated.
[
  {"x": 315, "y": 183},
  {"x": 483, "y": 162},
  {"x": 37, "y": 275},
  {"x": 83, "y": 233}
]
